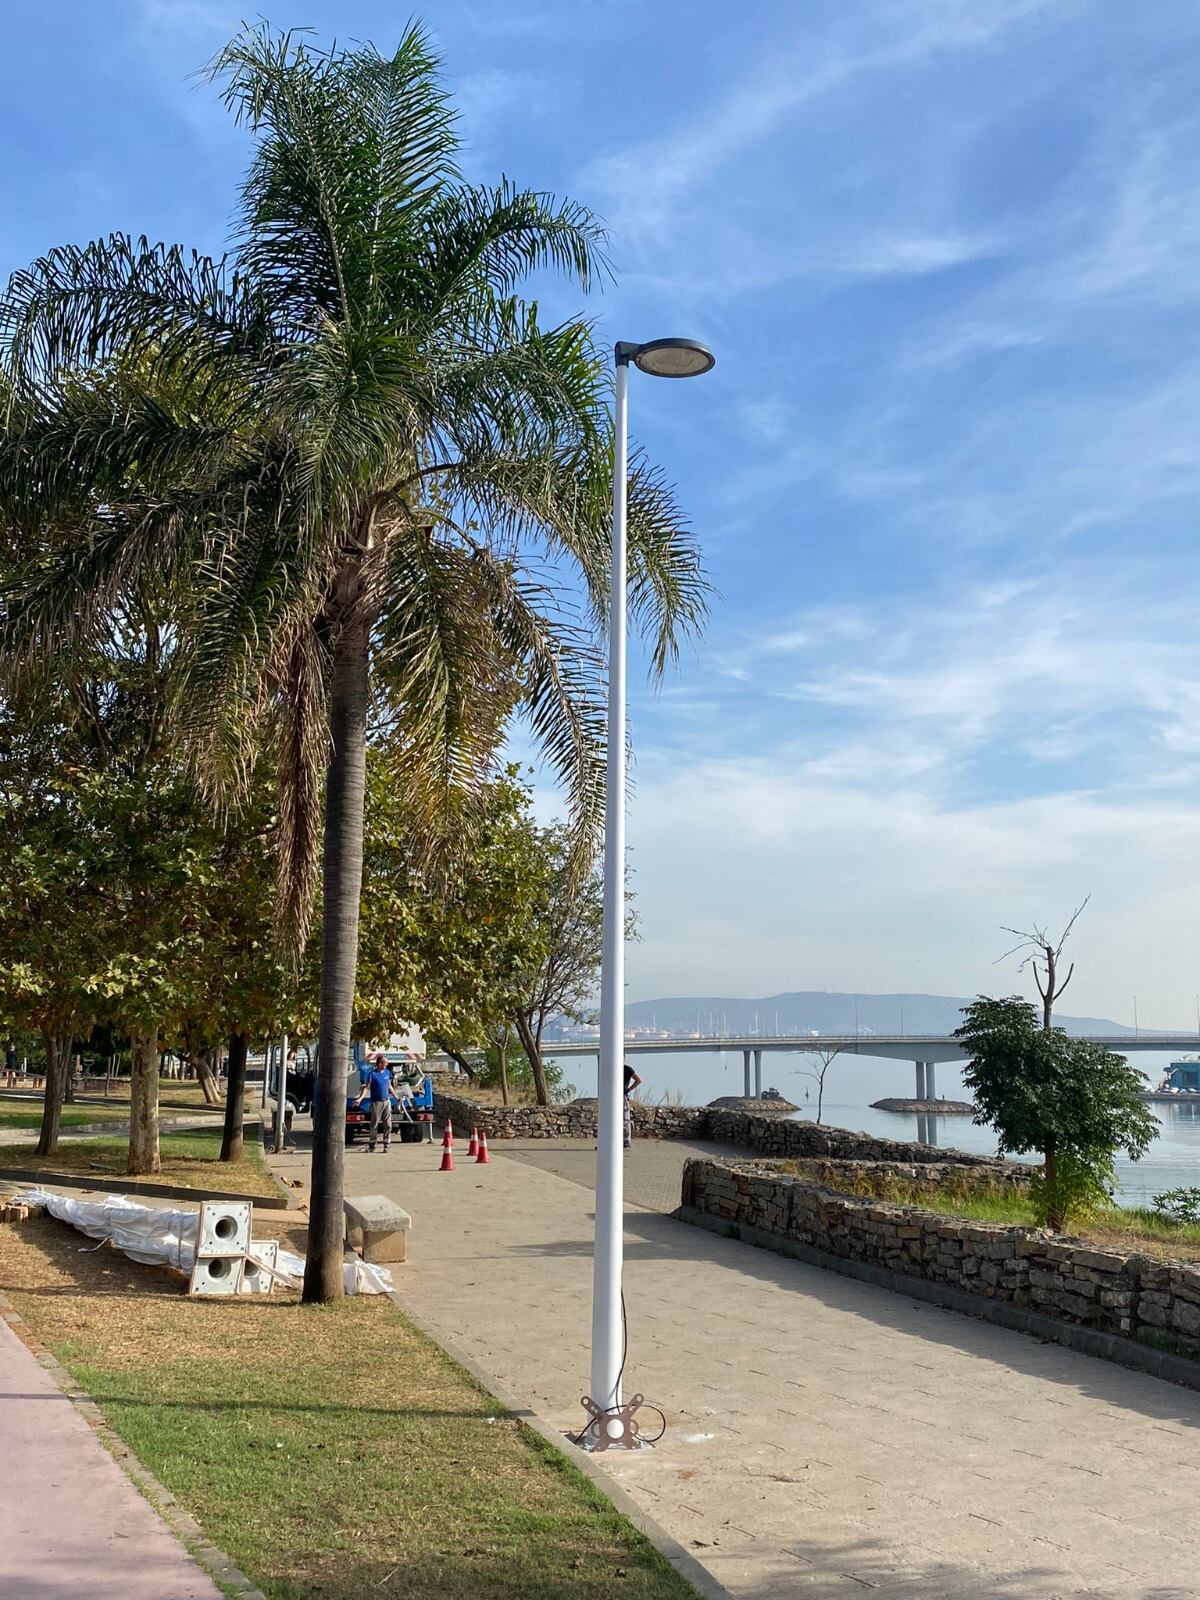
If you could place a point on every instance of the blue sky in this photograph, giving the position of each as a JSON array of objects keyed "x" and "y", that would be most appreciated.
[{"x": 945, "y": 471}]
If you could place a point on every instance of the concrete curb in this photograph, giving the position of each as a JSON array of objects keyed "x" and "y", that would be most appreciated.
[
  {"x": 185, "y": 1527},
  {"x": 1085, "y": 1341},
  {"x": 686, "y": 1564}
]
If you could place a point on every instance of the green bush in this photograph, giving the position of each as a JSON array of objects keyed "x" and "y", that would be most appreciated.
[
  {"x": 520, "y": 1076},
  {"x": 1181, "y": 1206},
  {"x": 1080, "y": 1189}
]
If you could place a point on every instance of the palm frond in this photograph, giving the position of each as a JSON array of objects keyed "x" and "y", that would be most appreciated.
[
  {"x": 442, "y": 665},
  {"x": 80, "y": 306},
  {"x": 348, "y": 142},
  {"x": 565, "y": 499}
]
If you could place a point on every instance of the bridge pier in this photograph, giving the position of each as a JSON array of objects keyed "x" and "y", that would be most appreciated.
[
  {"x": 758, "y": 1074},
  {"x": 746, "y": 1073},
  {"x": 920, "y": 1094},
  {"x": 930, "y": 1081}
]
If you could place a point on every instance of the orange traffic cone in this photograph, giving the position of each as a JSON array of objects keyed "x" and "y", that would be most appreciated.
[
  {"x": 473, "y": 1147},
  {"x": 449, "y": 1130},
  {"x": 447, "y": 1151},
  {"x": 483, "y": 1159}
]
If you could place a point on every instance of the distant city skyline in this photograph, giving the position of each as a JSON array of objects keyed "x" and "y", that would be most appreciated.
[{"x": 944, "y": 472}]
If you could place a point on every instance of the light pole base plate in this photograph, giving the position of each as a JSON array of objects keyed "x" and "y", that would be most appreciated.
[{"x": 614, "y": 1429}]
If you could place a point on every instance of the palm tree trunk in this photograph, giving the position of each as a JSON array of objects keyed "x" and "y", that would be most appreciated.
[
  {"x": 235, "y": 1094},
  {"x": 58, "y": 1056},
  {"x": 533, "y": 1049},
  {"x": 345, "y": 790},
  {"x": 143, "y": 1104}
]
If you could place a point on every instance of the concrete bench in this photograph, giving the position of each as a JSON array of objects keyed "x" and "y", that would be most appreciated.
[{"x": 375, "y": 1227}]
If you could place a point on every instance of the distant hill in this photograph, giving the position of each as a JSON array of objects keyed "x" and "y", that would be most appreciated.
[{"x": 824, "y": 1012}]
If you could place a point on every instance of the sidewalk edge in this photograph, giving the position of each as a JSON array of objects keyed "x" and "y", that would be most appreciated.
[
  {"x": 186, "y": 1529},
  {"x": 686, "y": 1564}
]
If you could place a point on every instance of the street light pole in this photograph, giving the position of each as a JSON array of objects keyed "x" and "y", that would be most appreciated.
[
  {"x": 607, "y": 1338},
  {"x": 662, "y": 358}
]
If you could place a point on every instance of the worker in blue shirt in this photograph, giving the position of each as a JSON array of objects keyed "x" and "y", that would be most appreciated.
[{"x": 378, "y": 1088}]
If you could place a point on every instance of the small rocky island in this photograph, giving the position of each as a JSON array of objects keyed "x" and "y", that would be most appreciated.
[
  {"x": 941, "y": 1108},
  {"x": 738, "y": 1102}
]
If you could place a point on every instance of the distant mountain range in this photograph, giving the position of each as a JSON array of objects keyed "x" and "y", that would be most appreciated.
[{"x": 817, "y": 1009}]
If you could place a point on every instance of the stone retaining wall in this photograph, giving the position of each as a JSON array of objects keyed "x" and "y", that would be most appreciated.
[
  {"x": 1111, "y": 1291},
  {"x": 574, "y": 1120},
  {"x": 766, "y": 1132},
  {"x": 787, "y": 1140},
  {"x": 874, "y": 1177}
]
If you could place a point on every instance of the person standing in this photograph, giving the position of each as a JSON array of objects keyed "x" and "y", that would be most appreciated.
[
  {"x": 10, "y": 1065},
  {"x": 379, "y": 1089},
  {"x": 632, "y": 1080}
]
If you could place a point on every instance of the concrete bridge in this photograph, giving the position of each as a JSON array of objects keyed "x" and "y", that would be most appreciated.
[{"x": 925, "y": 1050}]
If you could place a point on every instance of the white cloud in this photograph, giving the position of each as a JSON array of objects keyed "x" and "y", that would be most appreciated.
[
  {"x": 643, "y": 186},
  {"x": 752, "y": 878}
]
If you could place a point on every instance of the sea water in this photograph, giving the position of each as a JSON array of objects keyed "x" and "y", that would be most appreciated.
[{"x": 853, "y": 1082}]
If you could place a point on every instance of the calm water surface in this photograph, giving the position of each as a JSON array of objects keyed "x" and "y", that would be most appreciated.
[{"x": 853, "y": 1082}]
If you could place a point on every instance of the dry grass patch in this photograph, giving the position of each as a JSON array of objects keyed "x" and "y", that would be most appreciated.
[
  {"x": 188, "y": 1159},
  {"x": 1120, "y": 1228},
  {"x": 331, "y": 1451}
]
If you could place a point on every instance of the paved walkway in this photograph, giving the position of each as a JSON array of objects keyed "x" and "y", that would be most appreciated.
[
  {"x": 72, "y": 1525},
  {"x": 824, "y": 1437}
]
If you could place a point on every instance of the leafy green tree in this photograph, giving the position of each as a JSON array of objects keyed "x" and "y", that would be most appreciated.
[
  {"x": 128, "y": 901},
  {"x": 235, "y": 984},
  {"x": 51, "y": 938},
  {"x": 354, "y": 446},
  {"x": 563, "y": 981},
  {"x": 448, "y": 935},
  {"x": 517, "y": 1077},
  {"x": 1071, "y": 1100}
]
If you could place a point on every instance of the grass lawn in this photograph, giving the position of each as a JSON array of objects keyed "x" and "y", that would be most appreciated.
[
  {"x": 189, "y": 1159},
  {"x": 174, "y": 1093},
  {"x": 1115, "y": 1228},
  {"x": 331, "y": 1451},
  {"x": 19, "y": 1116}
]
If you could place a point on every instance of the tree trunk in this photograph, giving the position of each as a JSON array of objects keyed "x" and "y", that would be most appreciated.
[
  {"x": 532, "y": 1047},
  {"x": 58, "y": 1058},
  {"x": 208, "y": 1077},
  {"x": 235, "y": 1094},
  {"x": 143, "y": 1104},
  {"x": 1055, "y": 1220},
  {"x": 68, "y": 1073},
  {"x": 341, "y": 891},
  {"x": 459, "y": 1060}
]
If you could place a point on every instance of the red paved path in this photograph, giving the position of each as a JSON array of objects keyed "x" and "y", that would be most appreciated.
[{"x": 72, "y": 1525}]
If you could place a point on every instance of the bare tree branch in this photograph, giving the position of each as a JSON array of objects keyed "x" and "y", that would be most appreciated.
[{"x": 1047, "y": 951}]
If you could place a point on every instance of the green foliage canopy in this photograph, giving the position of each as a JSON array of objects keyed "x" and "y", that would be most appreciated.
[{"x": 1070, "y": 1099}]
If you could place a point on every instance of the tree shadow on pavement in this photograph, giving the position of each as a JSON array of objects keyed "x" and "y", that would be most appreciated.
[{"x": 665, "y": 1239}]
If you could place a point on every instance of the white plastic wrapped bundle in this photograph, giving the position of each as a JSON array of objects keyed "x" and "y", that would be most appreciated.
[{"x": 167, "y": 1238}]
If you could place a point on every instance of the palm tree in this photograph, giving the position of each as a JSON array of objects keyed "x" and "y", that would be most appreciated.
[{"x": 378, "y": 483}]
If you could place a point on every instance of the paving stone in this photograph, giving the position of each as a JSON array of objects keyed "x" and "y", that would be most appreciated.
[{"x": 824, "y": 1435}]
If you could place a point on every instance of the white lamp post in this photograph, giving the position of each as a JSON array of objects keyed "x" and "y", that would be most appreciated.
[{"x": 661, "y": 358}]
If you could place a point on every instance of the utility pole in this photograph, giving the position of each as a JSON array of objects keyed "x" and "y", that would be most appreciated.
[
  {"x": 281, "y": 1096},
  {"x": 267, "y": 1069}
]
